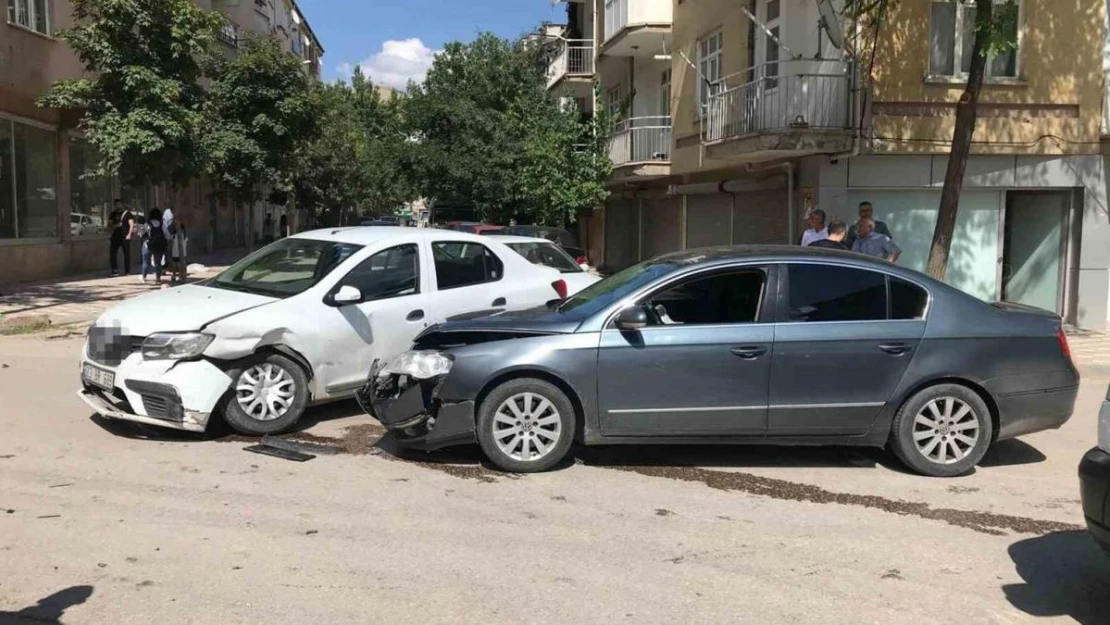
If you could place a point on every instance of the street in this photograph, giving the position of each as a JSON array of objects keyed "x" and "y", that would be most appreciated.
[{"x": 106, "y": 522}]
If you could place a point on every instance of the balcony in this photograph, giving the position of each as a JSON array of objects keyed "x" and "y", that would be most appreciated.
[
  {"x": 573, "y": 62},
  {"x": 784, "y": 109},
  {"x": 640, "y": 147},
  {"x": 229, "y": 34},
  {"x": 637, "y": 27}
]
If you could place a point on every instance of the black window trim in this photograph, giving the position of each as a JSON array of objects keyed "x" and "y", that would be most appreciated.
[
  {"x": 782, "y": 316},
  {"x": 767, "y": 304},
  {"x": 432, "y": 247},
  {"x": 339, "y": 283}
]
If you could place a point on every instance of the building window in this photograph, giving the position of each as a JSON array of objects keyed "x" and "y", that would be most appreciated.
[
  {"x": 709, "y": 66},
  {"x": 90, "y": 195},
  {"x": 772, "y": 12},
  {"x": 613, "y": 105},
  {"x": 28, "y": 182},
  {"x": 665, "y": 93},
  {"x": 32, "y": 14},
  {"x": 952, "y": 37}
]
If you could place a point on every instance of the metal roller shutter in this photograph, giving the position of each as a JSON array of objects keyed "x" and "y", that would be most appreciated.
[
  {"x": 662, "y": 223},
  {"x": 622, "y": 226},
  {"x": 708, "y": 220},
  {"x": 760, "y": 217}
]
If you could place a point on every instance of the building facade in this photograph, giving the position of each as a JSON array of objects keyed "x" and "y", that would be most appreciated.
[
  {"x": 53, "y": 218},
  {"x": 730, "y": 130}
]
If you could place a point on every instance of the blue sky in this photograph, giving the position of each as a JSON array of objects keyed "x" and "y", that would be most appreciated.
[{"x": 394, "y": 40}]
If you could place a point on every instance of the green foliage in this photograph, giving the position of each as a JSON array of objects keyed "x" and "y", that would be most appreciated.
[
  {"x": 143, "y": 104},
  {"x": 260, "y": 110},
  {"x": 488, "y": 134}
]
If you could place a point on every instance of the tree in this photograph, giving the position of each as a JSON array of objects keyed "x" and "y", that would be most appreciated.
[
  {"x": 331, "y": 165},
  {"x": 995, "y": 24},
  {"x": 260, "y": 112},
  {"x": 488, "y": 134},
  {"x": 387, "y": 167},
  {"x": 142, "y": 106}
]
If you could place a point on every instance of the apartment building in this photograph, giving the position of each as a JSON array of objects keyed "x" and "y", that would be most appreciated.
[
  {"x": 53, "y": 219},
  {"x": 730, "y": 130}
]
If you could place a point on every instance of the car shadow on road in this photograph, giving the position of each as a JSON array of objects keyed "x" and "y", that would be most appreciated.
[
  {"x": 49, "y": 609},
  {"x": 1065, "y": 574},
  {"x": 1010, "y": 453},
  {"x": 735, "y": 456}
]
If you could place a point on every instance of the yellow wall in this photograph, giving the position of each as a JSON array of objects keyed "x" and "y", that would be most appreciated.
[
  {"x": 1060, "y": 63},
  {"x": 694, "y": 19}
]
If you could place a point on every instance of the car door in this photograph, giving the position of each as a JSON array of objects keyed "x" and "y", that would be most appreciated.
[
  {"x": 394, "y": 309},
  {"x": 469, "y": 278},
  {"x": 702, "y": 365},
  {"x": 841, "y": 348}
]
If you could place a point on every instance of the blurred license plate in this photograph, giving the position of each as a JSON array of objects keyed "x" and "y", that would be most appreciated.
[{"x": 104, "y": 379}]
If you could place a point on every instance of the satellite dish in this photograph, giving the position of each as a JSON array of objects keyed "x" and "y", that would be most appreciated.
[{"x": 830, "y": 22}]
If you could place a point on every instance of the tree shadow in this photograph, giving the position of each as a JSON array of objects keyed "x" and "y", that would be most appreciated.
[
  {"x": 49, "y": 609},
  {"x": 1065, "y": 574}
]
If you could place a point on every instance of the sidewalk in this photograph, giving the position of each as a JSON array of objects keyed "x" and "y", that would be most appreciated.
[{"x": 81, "y": 299}]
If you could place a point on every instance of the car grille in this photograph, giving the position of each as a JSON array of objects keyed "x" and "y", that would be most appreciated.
[
  {"x": 109, "y": 346},
  {"x": 156, "y": 406}
]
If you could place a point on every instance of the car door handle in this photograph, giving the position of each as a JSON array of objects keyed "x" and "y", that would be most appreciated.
[
  {"x": 895, "y": 349},
  {"x": 499, "y": 301},
  {"x": 415, "y": 315},
  {"x": 749, "y": 352}
]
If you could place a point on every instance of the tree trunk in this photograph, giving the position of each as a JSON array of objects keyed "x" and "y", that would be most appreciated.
[{"x": 966, "y": 115}]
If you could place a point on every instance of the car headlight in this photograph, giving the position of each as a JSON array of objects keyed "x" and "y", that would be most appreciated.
[
  {"x": 421, "y": 365},
  {"x": 175, "y": 346}
]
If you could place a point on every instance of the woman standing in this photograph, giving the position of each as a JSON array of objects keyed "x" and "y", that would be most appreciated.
[{"x": 154, "y": 245}]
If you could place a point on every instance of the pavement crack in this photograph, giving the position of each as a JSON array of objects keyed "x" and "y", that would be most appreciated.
[{"x": 983, "y": 522}]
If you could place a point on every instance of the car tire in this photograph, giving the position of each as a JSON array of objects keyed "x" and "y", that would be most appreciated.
[
  {"x": 268, "y": 395},
  {"x": 536, "y": 435},
  {"x": 942, "y": 431}
]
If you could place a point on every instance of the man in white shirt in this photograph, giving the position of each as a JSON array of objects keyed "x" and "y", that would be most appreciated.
[{"x": 817, "y": 229}]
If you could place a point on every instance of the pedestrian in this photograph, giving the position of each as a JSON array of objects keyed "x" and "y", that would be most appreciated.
[
  {"x": 122, "y": 222},
  {"x": 866, "y": 211},
  {"x": 179, "y": 244},
  {"x": 283, "y": 230},
  {"x": 154, "y": 245},
  {"x": 817, "y": 230},
  {"x": 838, "y": 230},
  {"x": 268, "y": 234},
  {"x": 142, "y": 233},
  {"x": 872, "y": 243}
]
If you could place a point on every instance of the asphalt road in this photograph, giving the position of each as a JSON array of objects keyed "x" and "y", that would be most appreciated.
[{"x": 107, "y": 523}]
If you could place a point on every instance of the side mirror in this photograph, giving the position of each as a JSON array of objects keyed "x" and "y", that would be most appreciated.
[
  {"x": 346, "y": 295},
  {"x": 632, "y": 318}
]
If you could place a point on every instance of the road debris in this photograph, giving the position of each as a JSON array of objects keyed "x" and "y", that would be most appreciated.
[
  {"x": 49, "y": 516},
  {"x": 284, "y": 454},
  {"x": 60, "y": 485}
]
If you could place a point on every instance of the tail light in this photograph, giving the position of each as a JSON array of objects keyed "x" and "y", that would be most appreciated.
[
  {"x": 1064, "y": 347},
  {"x": 560, "y": 287},
  {"x": 582, "y": 260}
]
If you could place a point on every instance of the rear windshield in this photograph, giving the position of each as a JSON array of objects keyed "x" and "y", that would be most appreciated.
[{"x": 546, "y": 254}]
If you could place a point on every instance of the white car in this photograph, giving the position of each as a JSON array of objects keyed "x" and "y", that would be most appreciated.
[
  {"x": 299, "y": 321},
  {"x": 546, "y": 253}
]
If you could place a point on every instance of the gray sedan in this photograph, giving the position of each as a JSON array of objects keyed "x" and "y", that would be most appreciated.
[{"x": 769, "y": 345}]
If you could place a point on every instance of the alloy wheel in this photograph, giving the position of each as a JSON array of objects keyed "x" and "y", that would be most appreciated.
[
  {"x": 265, "y": 391},
  {"x": 526, "y": 427},
  {"x": 946, "y": 430}
]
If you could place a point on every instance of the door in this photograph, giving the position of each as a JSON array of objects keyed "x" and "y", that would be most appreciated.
[
  {"x": 840, "y": 348},
  {"x": 468, "y": 279},
  {"x": 1033, "y": 249},
  {"x": 393, "y": 310},
  {"x": 700, "y": 367}
]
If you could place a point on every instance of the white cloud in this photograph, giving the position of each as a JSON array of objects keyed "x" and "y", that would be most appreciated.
[{"x": 398, "y": 62}]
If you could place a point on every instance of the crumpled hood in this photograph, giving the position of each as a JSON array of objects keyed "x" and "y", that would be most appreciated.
[{"x": 179, "y": 309}]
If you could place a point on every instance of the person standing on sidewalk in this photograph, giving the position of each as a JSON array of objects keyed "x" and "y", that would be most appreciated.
[
  {"x": 123, "y": 230},
  {"x": 872, "y": 243},
  {"x": 837, "y": 231},
  {"x": 154, "y": 246},
  {"x": 817, "y": 230}
]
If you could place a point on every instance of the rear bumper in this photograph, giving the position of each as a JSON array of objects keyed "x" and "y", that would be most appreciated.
[
  {"x": 1094, "y": 489},
  {"x": 1033, "y": 411},
  {"x": 414, "y": 413}
]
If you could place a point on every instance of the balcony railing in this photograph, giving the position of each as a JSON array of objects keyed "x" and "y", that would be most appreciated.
[
  {"x": 782, "y": 96},
  {"x": 640, "y": 139},
  {"x": 574, "y": 57},
  {"x": 1106, "y": 102},
  {"x": 229, "y": 34}
]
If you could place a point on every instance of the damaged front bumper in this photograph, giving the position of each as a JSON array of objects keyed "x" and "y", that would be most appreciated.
[{"x": 412, "y": 410}]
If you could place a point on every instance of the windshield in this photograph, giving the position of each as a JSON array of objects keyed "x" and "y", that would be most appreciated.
[
  {"x": 285, "y": 268},
  {"x": 616, "y": 287},
  {"x": 547, "y": 254}
]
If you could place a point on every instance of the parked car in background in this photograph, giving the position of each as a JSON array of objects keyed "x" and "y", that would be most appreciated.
[
  {"x": 1094, "y": 480},
  {"x": 81, "y": 224},
  {"x": 561, "y": 237},
  {"x": 547, "y": 253},
  {"x": 769, "y": 344},
  {"x": 473, "y": 228},
  {"x": 296, "y": 322},
  {"x": 381, "y": 222}
]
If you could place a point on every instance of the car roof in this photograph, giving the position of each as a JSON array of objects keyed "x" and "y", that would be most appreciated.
[
  {"x": 369, "y": 235},
  {"x": 516, "y": 238}
]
